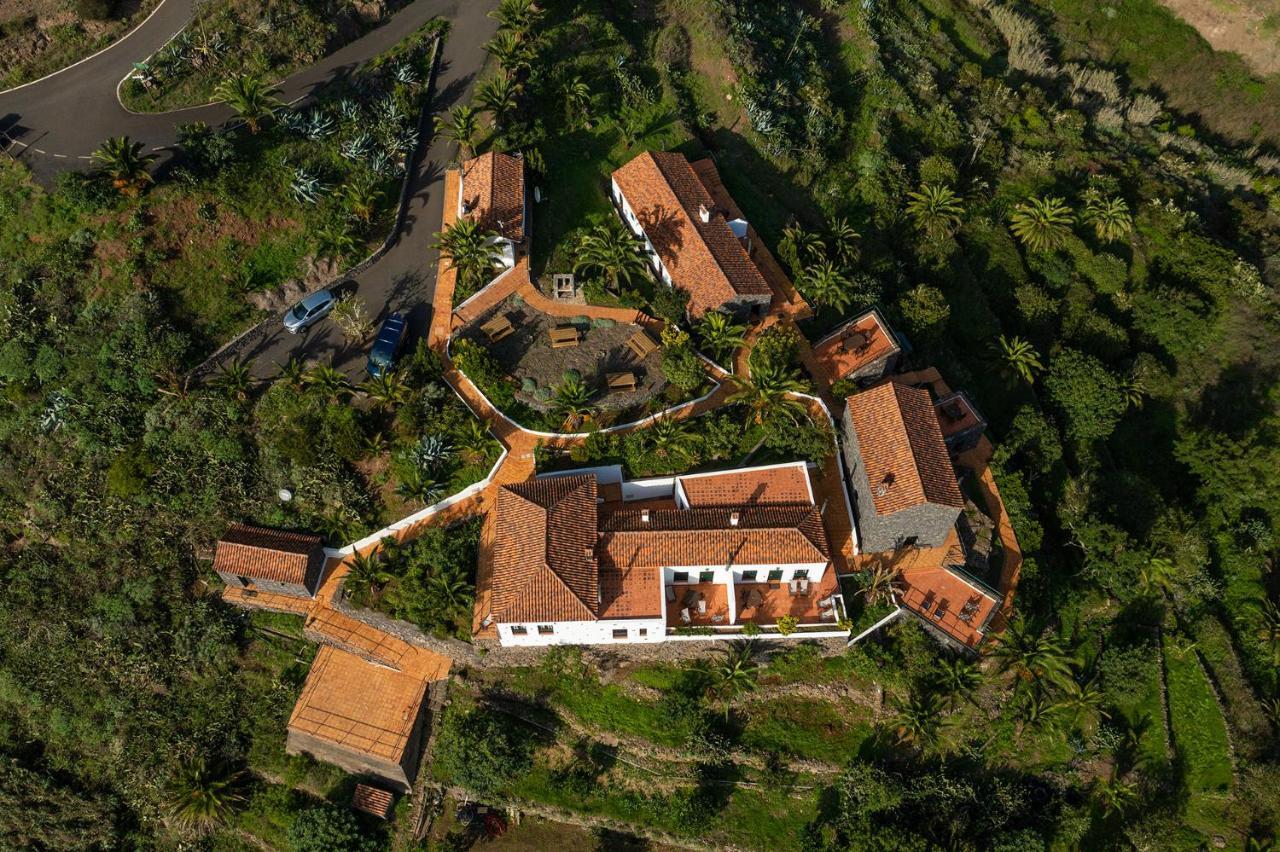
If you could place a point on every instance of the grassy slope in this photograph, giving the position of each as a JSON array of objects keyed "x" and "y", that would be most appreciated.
[{"x": 1200, "y": 735}]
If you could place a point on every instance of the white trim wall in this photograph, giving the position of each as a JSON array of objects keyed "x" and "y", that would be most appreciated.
[{"x": 583, "y": 632}]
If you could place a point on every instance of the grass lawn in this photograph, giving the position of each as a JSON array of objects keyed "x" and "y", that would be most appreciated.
[{"x": 807, "y": 728}]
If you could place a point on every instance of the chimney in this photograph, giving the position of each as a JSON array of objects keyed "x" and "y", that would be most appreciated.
[
  {"x": 644, "y": 516},
  {"x": 588, "y": 552},
  {"x": 704, "y": 213},
  {"x": 734, "y": 517},
  {"x": 885, "y": 484}
]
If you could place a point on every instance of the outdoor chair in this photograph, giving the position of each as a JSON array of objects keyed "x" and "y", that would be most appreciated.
[
  {"x": 621, "y": 382},
  {"x": 642, "y": 345},
  {"x": 717, "y": 619},
  {"x": 671, "y": 595},
  {"x": 564, "y": 336},
  {"x": 497, "y": 328},
  {"x": 685, "y": 617},
  {"x": 702, "y": 606},
  {"x": 802, "y": 586}
]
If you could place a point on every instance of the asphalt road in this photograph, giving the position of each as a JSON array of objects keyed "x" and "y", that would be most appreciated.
[{"x": 57, "y": 122}]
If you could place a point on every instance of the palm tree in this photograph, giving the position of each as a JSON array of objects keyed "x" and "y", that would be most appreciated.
[
  {"x": 517, "y": 15},
  {"x": 1268, "y": 629},
  {"x": 1018, "y": 357},
  {"x": 366, "y": 577},
  {"x": 572, "y": 401},
  {"x": 1037, "y": 710},
  {"x": 826, "y": 285},
  {"x": 917, "y": 720},
  {"x": 123, "y": 161},
  {"x": 417, "y": 486},
  {"x": 449, "y": 585},
  {"x": 1031, "y": 656},
  {"x": 462, "y": 126},
  {"x": 473, "y": 437},
  {"x": 375, "y": 445},
  {"x": 361, "y": 198},
  {"x": 733, "y": 673},
  {"x": 1041, "y": 223},
  {"x": 203, "y": 796},
  {"x": 612, "y": 250},
  {"x": 334, "y": 242},
  {"x": 673, "y": 440},
  {"x": 250, "y": 96},
  {"x": 388, "y": 390},
  {"x": 1113, "y": 795},
  {"x": 846, "y": 238},
  {"x": 1083, "y": 700},
  {"x": 471, "y": 251},
  {"x": 935, "y": 209},
  {"x": 768, "y": 391},
  {"x": 959, "y": 679},
  {"x": 1133, "y": 390},
  {"x": 577, "y": 102},
  {"x": 511, "y": 50},
  {"x": 1157, "y": 575},
  {"x": 879, "y": 584},
  {"x": 1108, "y": 216},
  {"x": 498, "y": 95},
  {"x": 798, "y": 246},
  {"x": 327, "y": 381},
  {"x": 293, "y": 372},
  {"x": 234, "y": 378},
  {"x": 721, "y": 336}
]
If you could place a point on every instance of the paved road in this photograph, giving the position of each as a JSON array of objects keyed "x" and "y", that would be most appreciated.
[
  {"x": 403, "y": 278},
  {"x": 56, "y": 123}
]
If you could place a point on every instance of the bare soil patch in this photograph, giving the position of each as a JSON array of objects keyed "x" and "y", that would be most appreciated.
[{"x": 1250, "y": 28}]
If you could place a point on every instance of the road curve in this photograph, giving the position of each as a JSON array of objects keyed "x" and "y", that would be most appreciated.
[{"x": 56, "y": 123}]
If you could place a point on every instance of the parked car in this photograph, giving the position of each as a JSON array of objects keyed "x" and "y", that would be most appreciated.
[
  {"x": 382, "y": 357},
  {"x": 310, "y": 310}
]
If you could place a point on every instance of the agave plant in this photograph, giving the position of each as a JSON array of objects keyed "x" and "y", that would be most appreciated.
[
  {"x": 348, "y": 110},
  {"x": 55, "y": 412},
  {"x": 405, "y": 73},
  {"x": 406, "y": 140},
  {"x": 318, "y": 125},
  {"x": 292, "y": 120},
  {"x": 357, "y": 147},
  {"x": 389, "y": 110},
  {"x": 306, "y": 187},
  {"x": 431, "y": 452}
]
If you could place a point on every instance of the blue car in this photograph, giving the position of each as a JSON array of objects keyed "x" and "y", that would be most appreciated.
[{"x": 382, "y": 357}]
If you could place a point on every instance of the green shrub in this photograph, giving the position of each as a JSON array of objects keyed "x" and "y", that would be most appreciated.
[
  {"x": 94, "y": 10},
  {"x": 528, "y": 384},
  {"x": 603, "y": 322},
  {"x": 482, "y": 752}
]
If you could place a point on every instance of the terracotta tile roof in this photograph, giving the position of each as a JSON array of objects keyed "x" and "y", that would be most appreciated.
[
  {"x": 777, "y": 535},
  {"x": 328, "y": 625},
  {"x": 272, "y": 601},
  {"x": 630, "y": 592},
  {"x": 493, "y": 193},
  {"x": 373, "y": 800},
  {"x": 780, "y": 485},
  {"x": 703, "y": 258},
  {"x": 902, "y": 449},
  {"x": 956, "y": 413},
  {"x": 356, "y": 704},
  {"x": 863, "y": 340},
  {"x": 544, "y": 564},
  {"x": 266, "y": 554}
]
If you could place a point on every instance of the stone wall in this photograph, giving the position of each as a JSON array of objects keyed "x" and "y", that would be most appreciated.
[
  {"x": 296, "y": 590},
  {"x": 355, "y": 762},
  {"x": 460, "y": 652}
]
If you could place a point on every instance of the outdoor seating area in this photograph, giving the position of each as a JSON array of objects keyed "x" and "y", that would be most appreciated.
[
  {"x": 697, "y": 605},
  {"x": 538, "y": 350},
  {"x": 810, "y": 602}
]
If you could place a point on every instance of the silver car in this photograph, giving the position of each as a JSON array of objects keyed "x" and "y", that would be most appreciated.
[{"x": 310, "y": 310}]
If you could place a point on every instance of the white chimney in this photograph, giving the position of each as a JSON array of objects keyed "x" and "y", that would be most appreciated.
[
  {"x": 734, "y": 517},
  {"x": 644, "y": 516},
  {"x": 703, "y": 213}
]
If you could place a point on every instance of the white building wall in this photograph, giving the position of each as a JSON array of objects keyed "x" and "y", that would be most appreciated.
[
  {"x": 633, "y": 222},
  {"x": 721, "y": 574},
  {"x": 648, "y": 489},
  {"x": 584, "y": 632}
]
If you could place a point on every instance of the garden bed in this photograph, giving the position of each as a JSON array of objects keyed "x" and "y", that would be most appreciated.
[{"x": 526, "y": 355}]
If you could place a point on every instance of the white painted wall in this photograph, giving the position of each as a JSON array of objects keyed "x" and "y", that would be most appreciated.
[
  {"x": 721, "y": 574},
  {"x": 585, "y": 632},
  {"x": 610, "y": 474},
  {"x": 648, "y": 489},
  {"x": 629, "y": 216}
]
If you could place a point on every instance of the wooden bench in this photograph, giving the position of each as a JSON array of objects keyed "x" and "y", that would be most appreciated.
[
  {"x": 497, "y": 328},
  {"x": 563, "y": 336},
  {"x": 621, "y": 382},
  {"x": 642, "y": 344}
]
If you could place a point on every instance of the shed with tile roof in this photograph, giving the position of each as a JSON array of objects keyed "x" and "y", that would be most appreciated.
[
  {"x": 903, "y": 484},
  {"x": 267, "y": 560},
  {"x": 689, "y": 240},
  {"x": 491, "y": 193}
]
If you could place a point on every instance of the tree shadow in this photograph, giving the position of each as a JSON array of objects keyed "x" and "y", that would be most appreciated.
[{"x": 1238, "y": 401}]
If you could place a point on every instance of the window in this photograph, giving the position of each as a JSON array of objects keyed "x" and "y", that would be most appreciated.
[
  {"x": 546, "y": 630},
  {"x": 801, "y": 574},
  {"x": 706, "y": 576},
  {"x": 620, "y": 634},
  {"x": 245, "y": 582},
  {"x": 519, "y": 630},
  {"x": 643, "y": 631},
  {"x": 680, "y": 577},
  {"x": 775, "y": 574},
  {"x": 749, "y": 576}
]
